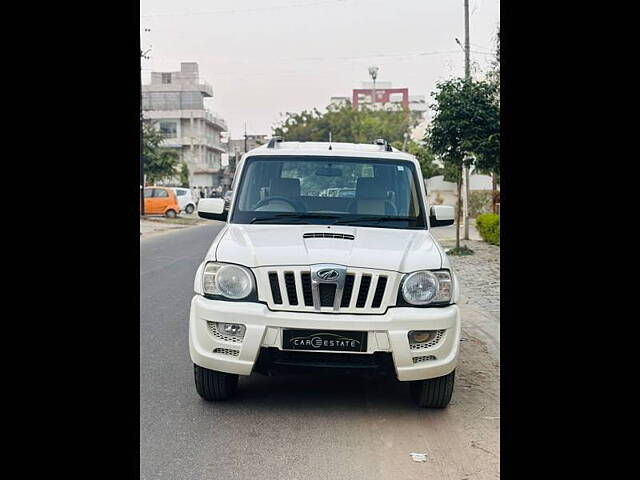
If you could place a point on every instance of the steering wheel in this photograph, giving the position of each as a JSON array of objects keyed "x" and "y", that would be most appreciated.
[{"x": 264, "y": 201}]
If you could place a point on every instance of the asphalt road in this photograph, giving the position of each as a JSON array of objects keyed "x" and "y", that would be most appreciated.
[{"x": 293, "y": 427}]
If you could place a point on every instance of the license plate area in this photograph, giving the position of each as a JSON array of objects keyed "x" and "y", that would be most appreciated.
[{"x": 324, "y": 340}]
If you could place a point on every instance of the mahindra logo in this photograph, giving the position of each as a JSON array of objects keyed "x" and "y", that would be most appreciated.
[{"x": 328, "y": 275}]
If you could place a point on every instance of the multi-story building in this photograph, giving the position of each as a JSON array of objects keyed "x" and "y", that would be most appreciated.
[
  {"x": 386, "y": 98},
  {"x": 236, "y": 147},
  {"x": 174, "y": 102}
]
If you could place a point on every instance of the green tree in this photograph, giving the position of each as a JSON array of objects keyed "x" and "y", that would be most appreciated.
[
  {"x": 184, "y": 175},
  {"x": 465, "y": 129},
  {"x": 159, "y": 162},
  {"x": 424, "y": 155},
  {"x": 346, "y": 125}
]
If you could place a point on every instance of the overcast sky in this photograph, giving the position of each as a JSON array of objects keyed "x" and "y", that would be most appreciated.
[{"x": 267, "y": 57}]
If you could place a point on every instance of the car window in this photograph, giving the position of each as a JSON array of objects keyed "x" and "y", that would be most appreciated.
[
  {"x": 181, "y": 193},
  {"x": 160, "y": 193},
  {"x": 362, "y": 191},
  {"x": 148, "y": 192}
]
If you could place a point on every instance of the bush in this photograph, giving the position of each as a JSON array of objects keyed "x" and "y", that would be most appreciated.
[
  {"x": 480, "y": 202},
  {"x": 488, "y": 226}
]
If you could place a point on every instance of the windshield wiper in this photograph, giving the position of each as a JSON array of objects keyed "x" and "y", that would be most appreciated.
[
  {"x": 373, "y": 220},
  {"x": 292, "y": 216}
]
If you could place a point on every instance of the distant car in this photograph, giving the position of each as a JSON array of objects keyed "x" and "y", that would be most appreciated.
[
  {"x": 185, "y": 199},
  {"x": 227, "y": 199},
  {"x": 161, "y": 201}
]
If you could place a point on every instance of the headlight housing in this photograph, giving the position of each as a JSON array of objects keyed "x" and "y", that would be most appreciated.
[
  {"x": 229, "y": 281},
  {"x": 426, "y": 287}
]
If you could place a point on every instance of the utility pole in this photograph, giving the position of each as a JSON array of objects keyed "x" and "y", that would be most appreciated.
[
  {"x": 142, "y": 55},
  {"x": 141, "y": 147},
  {"x": 467, "y": 76},
  {"x": 245, "y": 137}
]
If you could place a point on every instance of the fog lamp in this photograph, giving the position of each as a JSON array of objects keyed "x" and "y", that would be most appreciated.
[
  {"x": 421, "y": 336},
  {"x": 232, "y": 329}
]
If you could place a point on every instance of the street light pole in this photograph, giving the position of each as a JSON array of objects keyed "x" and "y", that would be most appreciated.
[{"x": 373, "y": 71}]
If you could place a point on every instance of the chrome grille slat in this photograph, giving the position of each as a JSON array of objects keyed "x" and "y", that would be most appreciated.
[
  {"x": 356, "y": 290},
  {"x": 283, "y": 289},
  {"x": 372, "y": 291}
]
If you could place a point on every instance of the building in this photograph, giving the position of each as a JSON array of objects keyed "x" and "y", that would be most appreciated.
[
  {"x": 386, "y": 97},
  {"x": 174, "y": 101},
  {"x": 236, "y": 147}
]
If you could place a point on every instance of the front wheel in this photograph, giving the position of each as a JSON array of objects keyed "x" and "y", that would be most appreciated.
[
  {"x": 434, "y": 392},
  {"x": 189, "y": 209},
  {"x": 214, "y": 385},
  {"x": 171, "y": 213}
]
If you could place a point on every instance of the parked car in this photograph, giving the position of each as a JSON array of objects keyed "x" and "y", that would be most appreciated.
[
  {"x": 298, "y": 281},
  {"x": 185, "y": 199},
  {"x": 160, "y": 201}
]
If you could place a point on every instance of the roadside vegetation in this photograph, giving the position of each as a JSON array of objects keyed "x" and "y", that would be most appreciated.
[{"x": 488, "y": 226}]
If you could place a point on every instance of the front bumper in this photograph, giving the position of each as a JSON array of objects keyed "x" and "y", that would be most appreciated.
[{"x": 386, "y": 333}]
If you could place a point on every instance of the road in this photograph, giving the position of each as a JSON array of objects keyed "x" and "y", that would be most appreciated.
[{"x": 295, "y": 427}]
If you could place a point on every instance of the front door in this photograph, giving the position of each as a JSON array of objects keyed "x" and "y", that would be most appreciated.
[{"x": 161, "y": 200}]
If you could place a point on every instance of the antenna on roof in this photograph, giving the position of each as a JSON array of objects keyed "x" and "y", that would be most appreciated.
[{"x": 330, "y": 141}]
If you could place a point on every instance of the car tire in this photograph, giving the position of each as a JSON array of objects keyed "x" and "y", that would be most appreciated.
[
  {"x": 434, "y": 392},
  {"x": 213, "y": 385},
  {"x": 189, "y": 209},
  {"x": 171, "y": 213}
]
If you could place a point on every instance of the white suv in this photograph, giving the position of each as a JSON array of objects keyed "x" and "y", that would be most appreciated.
[{"x": 297, "y": 281}]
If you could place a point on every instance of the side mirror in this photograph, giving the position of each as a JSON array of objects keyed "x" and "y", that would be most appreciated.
[
  {"x": 441, "y": 215},
  {"x": 212, "y": 209}
]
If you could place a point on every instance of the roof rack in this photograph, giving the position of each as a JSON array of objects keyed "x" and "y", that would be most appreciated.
[
  {"x": 383, "y": 142},
  {"x": 273, "y": 141}
]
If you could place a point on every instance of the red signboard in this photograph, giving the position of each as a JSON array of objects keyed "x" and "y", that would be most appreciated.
[{"x": 382, "y": 95}]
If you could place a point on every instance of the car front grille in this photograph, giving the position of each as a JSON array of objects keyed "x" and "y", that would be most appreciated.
[{"x": 364, "y": 291}]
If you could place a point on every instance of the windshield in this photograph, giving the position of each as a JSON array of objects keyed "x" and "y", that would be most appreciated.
[{"x": 329, "y": 190}]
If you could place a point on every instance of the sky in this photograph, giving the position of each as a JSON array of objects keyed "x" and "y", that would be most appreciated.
[{"x": 268, "y": 57}]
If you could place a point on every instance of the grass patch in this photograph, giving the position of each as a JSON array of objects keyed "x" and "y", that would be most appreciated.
[{"x": 463, "y": 250}]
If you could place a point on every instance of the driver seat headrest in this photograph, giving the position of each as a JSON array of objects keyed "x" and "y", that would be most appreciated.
[{"x": 285, "y": 187}]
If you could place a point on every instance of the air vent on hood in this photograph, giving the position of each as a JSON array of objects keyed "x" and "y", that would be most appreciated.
[{"x": 344, "y": 236}]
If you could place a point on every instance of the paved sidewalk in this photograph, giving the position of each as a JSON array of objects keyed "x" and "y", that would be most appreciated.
[
  {"x": 479, "y": 275},
  {"x": 151, "y": 226}
]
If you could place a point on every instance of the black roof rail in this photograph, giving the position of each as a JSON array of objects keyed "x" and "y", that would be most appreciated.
[
  {"x": 382, "y": 141},
  {"x": 272, "y": 142}
]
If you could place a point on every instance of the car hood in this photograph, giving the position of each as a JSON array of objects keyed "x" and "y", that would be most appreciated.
[{"x": 375, "y": 248}]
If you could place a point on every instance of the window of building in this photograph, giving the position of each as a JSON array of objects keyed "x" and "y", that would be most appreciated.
[
  {"x": 169, "y": 128},
  {"x": 166, "y": 78}
]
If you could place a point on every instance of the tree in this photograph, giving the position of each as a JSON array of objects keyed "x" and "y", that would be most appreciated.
[
  {"x": 159, "y": 162},
  {"x": 346, "y": 125},
  {"x": 184, "y": 175},
  {"x": 424, "y": 155},
  {"x": 465, "y": 129}
]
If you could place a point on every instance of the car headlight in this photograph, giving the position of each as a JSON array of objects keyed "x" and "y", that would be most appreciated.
[
  {"x": 228, "y": 280},
  {"x": 427, "y": 287}
]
